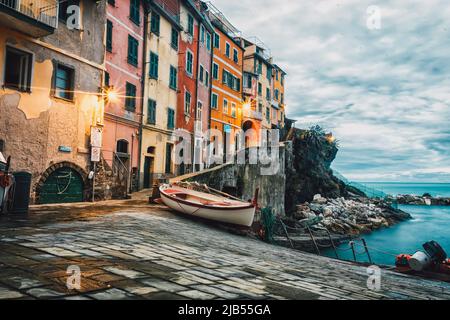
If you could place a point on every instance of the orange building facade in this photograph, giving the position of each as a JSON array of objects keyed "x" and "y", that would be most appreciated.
[
  {"x": 278, "y": 103},
  {"x": 226, "y": 96}
]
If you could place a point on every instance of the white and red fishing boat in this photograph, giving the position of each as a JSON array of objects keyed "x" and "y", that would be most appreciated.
[{"x": 207, "y": 205}]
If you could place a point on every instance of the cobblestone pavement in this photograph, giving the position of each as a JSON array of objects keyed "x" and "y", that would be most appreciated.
[{"x": 130, "y": 250}]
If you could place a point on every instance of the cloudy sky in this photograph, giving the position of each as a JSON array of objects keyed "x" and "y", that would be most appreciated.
[{"x": 382, "y": 89}]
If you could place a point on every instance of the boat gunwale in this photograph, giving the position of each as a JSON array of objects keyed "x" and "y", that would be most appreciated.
[{"x": 199, "y": 205}]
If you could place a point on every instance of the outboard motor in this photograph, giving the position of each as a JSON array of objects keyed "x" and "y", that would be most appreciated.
[{"x": 434, "y": 254}]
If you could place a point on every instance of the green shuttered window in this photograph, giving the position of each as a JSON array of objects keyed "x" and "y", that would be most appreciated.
[
  {"x": 130, "y": 100},
  {"x": 151, "y": 112},
  {"x": 135, "y": 11},
  {"x": 189, "y": 62},
  {"x": 109, "y": 33},
  {"x": 133, "y": 45},
  {"x": 173, "y": 78},
  {"x": 154, "y": 62},
  {"x": 174, "y": 39},
  {"x": 170, "y": 119},
  {"x": 155, "y": 23}
]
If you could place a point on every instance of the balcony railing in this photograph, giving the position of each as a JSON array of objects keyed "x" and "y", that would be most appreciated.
[
  {"x": 253, "y": 114},
  {"x": 44, "y": 11}
]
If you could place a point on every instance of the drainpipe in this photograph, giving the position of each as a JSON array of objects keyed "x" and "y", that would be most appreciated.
[
  {"x": 196, "y": 91},
  {"x": 143, "y": 90}
]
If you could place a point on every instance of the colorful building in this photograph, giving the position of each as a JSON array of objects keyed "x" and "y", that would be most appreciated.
[
  {"x": 187, "y": 79},
  {"x": 227, "y": 71},
  {"x": 50, "y": 98},
  {"x": 202, "y": 114},
  {"x": 160, "y": 94},
  {"x": 278, "y": 103},
  {"x": 123, "y": 77}
]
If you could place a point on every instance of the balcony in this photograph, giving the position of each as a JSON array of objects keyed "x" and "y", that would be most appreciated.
[
  {"x": 36, "y": 18},
  {"x": 275, "y": 104},
  {"x": 252, "y": 114}
]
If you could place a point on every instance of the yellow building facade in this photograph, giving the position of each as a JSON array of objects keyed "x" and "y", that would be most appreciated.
[{"x": 160, "y": 97}]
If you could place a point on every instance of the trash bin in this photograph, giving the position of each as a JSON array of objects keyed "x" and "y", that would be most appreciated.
[{"x": 21, "y": 200}]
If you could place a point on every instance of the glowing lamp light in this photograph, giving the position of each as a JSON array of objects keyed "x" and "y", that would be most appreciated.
[
  {"x": 246, "y": 106},
  {"x": 112, "y": 95}
]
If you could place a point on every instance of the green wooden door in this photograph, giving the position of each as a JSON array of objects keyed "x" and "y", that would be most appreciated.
[{"x": 62, "y": 186}]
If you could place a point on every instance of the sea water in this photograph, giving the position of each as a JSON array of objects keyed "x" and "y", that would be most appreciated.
[{"x": 428, "y": 223}]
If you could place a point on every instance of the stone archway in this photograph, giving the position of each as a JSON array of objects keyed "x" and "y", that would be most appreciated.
[{"x": 61, "y": 183}]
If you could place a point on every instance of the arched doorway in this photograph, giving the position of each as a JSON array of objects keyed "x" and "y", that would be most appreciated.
[
  {"x": 250, "y": 136},
  {"x": 64, "y": 184}
]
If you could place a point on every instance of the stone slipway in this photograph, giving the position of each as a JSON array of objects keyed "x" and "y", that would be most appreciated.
[{"x": 129, "y": 250}]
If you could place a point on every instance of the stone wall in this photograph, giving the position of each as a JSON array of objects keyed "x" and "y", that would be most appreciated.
[{"x": 243, "y": 180}]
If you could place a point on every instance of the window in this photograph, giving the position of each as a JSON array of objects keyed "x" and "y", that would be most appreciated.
[
  {"x": 208, "y": 41},
  {"x": 267, "y": 94},
  {"x": 151, "y": 112},
  {"x": 109, "y": 33},
  {"x": 173, "y": 78},
  {"x": 154, "y": 62},
  {"x": 18, "y": 69},
  {"x": 169, "y": 148},
  {"x": 130, "y": 100},
  {"x": 174, "y": 39},
  {"x": 277, "y": 94},
  {"x": 190, "y": 25},
  {"x": 267, "y": 114},
  {"x": 276, "y": 74},
  {"x": 202, "y": 34},
  {"x": 214, "y": 101},
  {"x": 132, "y": 51},
  {"x": 216, "y": 40},
  {"x": 259, "y": 67},
  {"x": 155, "y": 23},
  {"x": 64, "y": 82},
  {"x": 282, "y": 98},
  {"x": 187, "y": 103},
  {"x": 189, "y": 62},
  {"x": 170, "y": 119},
  {"x": 215, "y": 73},
  {"x": 201, "y": 74},
  {"x": 151, "y": 150},
  {"x": 235, "y": 56},
  {"x": 233, "y": 110},
  {"x": 260, "y": 107},
  {"x": 122, "y": 146},
  {"x": 248, "y": 81},
  {"x": 135, "y": 11},
  {"x": 2, "y": 145},
  {"x": 199, "y": 112},
  {"x": 269, "y": 73},
  {"x": 107, "y": 80},
  {"x": 259, "y": 89},
  {"x": 225, "y": 106},
  {"x": 63, "y": 5},
  {"x": 206, "y": 78},
  {"x": 227, "y": 50},
  {"x": 237, "y": 84}
]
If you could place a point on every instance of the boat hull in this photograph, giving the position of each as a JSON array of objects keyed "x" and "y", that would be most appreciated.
[{"x": 238, "y": 216}]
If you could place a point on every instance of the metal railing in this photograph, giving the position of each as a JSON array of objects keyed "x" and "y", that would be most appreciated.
[
  {"x": 253, "y": 114},
  {"x": 45, "y": 11}
]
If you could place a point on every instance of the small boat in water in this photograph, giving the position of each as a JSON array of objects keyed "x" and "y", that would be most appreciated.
[{"x": 206, "y": 205}]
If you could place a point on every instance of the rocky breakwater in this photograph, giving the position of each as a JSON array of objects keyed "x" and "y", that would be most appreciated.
[
  {"x": 349, "y": 216},
  {"x": 426, "y": 199}
]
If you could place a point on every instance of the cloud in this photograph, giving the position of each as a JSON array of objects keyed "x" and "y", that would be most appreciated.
[{"x": 384, "y": 93}]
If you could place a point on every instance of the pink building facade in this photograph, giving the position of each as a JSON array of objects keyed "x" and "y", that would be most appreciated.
[
  {"x": 202, "y": 114},
  {"x": 123, "y": 82}
]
